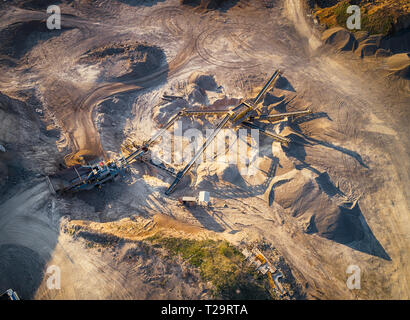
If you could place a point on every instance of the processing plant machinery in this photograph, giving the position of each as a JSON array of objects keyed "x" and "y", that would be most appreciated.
[{"x": 86, "y": 177}]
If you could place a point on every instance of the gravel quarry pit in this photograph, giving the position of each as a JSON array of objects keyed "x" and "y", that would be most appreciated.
[{"x": 336, "y": 196}]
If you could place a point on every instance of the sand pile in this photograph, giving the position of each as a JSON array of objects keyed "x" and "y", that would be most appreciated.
[
  {"x": 316, "y": 202},
  {"x": 339, "y": 38},
  {"x": 20, "y": 38},
  {"x": 124, "y": 61},
  {"x": 204, "y": 81},
  {"x": 365, "y": 45},
  {"x": 28, "y": 149},
  {"x": 399, "y": 64}
]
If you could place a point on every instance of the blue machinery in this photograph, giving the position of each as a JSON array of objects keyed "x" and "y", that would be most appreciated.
[
  {"x": 9, "y": 294},
  {"x": 79, "y": 177}
]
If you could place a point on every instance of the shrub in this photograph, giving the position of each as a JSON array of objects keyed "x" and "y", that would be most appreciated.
[{"x": 220, "y": 263}]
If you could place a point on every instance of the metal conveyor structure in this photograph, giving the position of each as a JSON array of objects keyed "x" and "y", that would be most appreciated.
[{"x": 85, "y": 177}]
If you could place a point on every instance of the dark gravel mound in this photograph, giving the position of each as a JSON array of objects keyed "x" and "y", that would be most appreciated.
[
  {"x": 19, "y": 38},
  {"x": 125, "y": 61}
]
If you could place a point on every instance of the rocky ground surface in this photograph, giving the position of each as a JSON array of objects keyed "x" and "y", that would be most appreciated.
[{"x": 337, "y": 196}]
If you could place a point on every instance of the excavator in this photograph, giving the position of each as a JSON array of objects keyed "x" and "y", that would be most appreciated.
[
  {"x": 86, "y": 177},
  {"x": 273, "y": 280}
]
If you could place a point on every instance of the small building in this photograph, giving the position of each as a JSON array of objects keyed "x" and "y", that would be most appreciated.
[
  {"x": 204, "y": 197},
  {"x": 188, "y": 200}
]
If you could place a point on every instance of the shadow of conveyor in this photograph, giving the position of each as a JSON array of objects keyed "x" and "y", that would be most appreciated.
[
  {"x": 343, "y": 223},
  {"x": 312, "y": 141}
]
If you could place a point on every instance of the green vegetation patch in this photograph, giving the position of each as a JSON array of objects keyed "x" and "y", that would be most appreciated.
[
  {"x": 221, "y": 264},
  {"x": 380, "y": 21},
  {"x": 340, "y": 11}
]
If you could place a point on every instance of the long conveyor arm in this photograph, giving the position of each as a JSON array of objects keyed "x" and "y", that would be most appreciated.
[
  {"x": 165, "y": 128},
  {"x": 142, "y": 150},
  {"x": 283, "y": 140},
  {"x": 205, "y": 112},
  {"x": 281, "y": 116},
  {"x": 184, "y": 171},
  {"x": 162, "y": 166},
  {"x": 268, "y": 84}
]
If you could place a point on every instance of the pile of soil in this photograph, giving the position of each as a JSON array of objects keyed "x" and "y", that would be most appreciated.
[{"x": 124, "y": 61}]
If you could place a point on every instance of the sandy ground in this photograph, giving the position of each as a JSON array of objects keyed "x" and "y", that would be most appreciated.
[{"x": 337, "y": 196}]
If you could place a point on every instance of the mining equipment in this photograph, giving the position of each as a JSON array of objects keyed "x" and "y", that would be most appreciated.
[
  {"x": 86, "y": 177},
  {"x": 263, "y": 266},
  {"x": 9, "y": 294}
]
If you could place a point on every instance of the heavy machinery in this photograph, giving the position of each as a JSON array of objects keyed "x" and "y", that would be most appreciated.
[
  {"x": 273, "y": 280},
  {"x": 263, "y": 266},
  {"x": 242, "y": 115},
  {"x": 85, "y": 177},
  {"x": 9, "y": 294}
]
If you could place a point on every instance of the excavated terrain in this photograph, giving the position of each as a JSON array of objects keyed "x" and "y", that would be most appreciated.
[{"x": 336, "y": 196}]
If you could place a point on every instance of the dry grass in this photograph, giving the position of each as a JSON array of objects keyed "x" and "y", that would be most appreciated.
[
  {"x": 138, "y": 228},
  {"x": 378, "y": 17},
  {"x": 219, "y": 263}
]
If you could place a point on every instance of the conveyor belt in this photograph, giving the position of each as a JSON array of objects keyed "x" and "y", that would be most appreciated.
[
  {"x": 184, "y": 171},
  {"x": 135, "y": 155},
  {"x": 271, "y": 81},
  {"x": 283, "y": 140},
  {"x": 204, "y": 112},
  {"x": 170, "y": 123},
  {"x": 280, "y": 116},
  {"x": 169, "y": 97},
  {"x": 142, "y": 150},
  {"x": 161, "y": 166}
]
